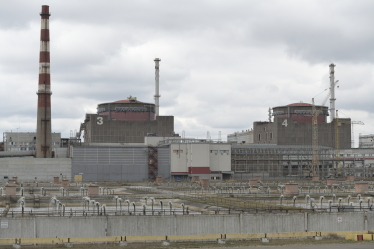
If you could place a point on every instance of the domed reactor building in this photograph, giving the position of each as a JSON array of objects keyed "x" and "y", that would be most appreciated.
[
  {"x": 126, "y": 121},
  {"x": 292, "y": 125}
]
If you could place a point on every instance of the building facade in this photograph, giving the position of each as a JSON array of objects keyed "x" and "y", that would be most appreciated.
[
  {"x": 26, "y": 141},
  {"x": 292, "y": 125},
  {"x": 366, "y": 141},
  {"x": 270, "y": 160},
  {"x": 243, "y": 137},
  {"x": 125, "y": 121},
  {"x": 172, "y": 158},
  {"x": 205, "y": 158},
  {"x": 116, "y": 163}
]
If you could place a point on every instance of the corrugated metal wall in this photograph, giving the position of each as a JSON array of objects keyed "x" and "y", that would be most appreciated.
[
  {"x": 116, "y": 163},
  {"x": 164, "y": 162}
]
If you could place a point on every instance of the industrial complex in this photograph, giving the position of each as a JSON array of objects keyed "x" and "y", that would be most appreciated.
[
  {"x": 127, "y": 140},
  {"x": 125, "y": 175}
]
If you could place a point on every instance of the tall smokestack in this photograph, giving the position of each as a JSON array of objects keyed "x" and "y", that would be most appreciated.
[
  {"x": 332, "y": 89},
  {"x": 157, "y": 77},
  {"x": 43, "y": 128}
]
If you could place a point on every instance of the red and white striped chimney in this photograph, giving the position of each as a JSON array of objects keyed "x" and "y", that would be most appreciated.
[{"x": 43, "y": 129}]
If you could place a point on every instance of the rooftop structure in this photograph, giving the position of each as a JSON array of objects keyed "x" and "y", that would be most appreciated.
[
  {"x": 127, "y": 109},
  {"x": 243, "y": 137},
  {"x": 366, "y": 141}
]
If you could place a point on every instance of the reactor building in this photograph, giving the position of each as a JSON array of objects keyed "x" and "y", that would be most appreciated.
[
  {"x": 292, "y": 125},
  {"x": 125, "y": 121}
]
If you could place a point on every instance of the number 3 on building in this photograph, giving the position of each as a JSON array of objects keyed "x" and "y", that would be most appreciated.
[
  {"x": 99, "y": 121},
  {"x": 285, "y": 123}
]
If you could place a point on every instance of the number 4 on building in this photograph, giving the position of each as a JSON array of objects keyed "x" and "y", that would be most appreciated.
[{"x": 285, "y": 123}]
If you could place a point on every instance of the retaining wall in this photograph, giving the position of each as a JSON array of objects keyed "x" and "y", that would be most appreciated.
[{"x": 103, "y": 226}]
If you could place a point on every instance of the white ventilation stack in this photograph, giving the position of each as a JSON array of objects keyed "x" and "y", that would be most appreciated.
[
  {"x": 157, "y": 94},
  {"x": 332, "y": 89}
]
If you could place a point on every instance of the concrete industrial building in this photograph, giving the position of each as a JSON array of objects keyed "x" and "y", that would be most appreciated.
[
  {"x": 287, "y": 143},
  {"x": 366, "y": 141},
  {"x": 167, "y": 157},
  {"x": 270, "y": 160},
  {"x": 292, "y": 125},
  {"x": 116, "y": 163},
  {"x": 243, "y": 137},
  {"x": 26, "y": 141},
  {"x": 205, "y": 158},
  {"x": 358, "y": 161},
  {"x": 125, "y": 121}
]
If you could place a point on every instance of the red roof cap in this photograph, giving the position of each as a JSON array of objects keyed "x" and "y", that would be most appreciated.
[
  {"x": 299, "y": 104},
  {"x": 122, "y": 101}
]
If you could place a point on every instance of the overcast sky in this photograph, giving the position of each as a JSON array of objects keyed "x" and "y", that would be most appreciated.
[{"x": 223, "y": 63}]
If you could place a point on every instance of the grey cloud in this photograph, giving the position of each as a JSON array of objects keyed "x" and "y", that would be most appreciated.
[{"x": 223, "y": 62}]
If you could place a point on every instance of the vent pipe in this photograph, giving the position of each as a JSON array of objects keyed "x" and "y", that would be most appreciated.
[
  {"x": 332, "y": 89},
  {"x": 157, "y": 94}
]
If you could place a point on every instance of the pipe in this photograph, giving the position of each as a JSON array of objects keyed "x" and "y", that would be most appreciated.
[
  {"x": 162, "y": 206},
  {"x": 103, "y": 208},
  {"x": 153, "y": 201},
  {"x": 171, "y": 206},
  {"x": 133, "y": 203},
  {"x": 294, "y": 200},
  {"x": 332, "y": 89},
  {"x": 157, "y": 94}
]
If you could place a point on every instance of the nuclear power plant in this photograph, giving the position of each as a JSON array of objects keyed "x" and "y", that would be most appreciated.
[
  {"x": 128, "y": 140},
  {"x": 126, "y": 176}
]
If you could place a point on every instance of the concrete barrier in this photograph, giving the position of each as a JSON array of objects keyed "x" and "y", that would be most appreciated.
[
  {"x": 194, "y": 237},
  {"x": 95, "y": 239},
  {"x": 291, "y": 235},
  {"x": 245, "y": 236},
  {"x": 42, "y": 240},
  {"x": 8, "y": 241},
  {"x": 349, "y": 235},
  {"x": 145, "y": 238},
  {"x": 341, "y": 233},
  {"x": 185, "y": 225},
  {"x": 368, "y": 237}
]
